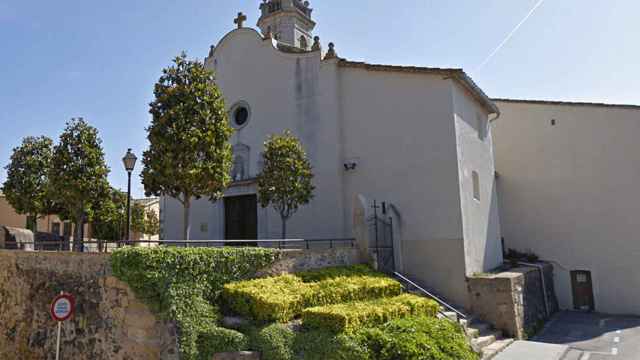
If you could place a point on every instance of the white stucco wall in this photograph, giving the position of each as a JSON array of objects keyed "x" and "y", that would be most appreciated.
[
  {"x": 400, "y": 128},
  {"x": 481, "y": 224},
  {"x": 283, "y": 91},
  {"x": 569, "y": 193}
]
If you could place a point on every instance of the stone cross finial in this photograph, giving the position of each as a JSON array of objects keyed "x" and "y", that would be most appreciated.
[{"x": 240, "y": 20}]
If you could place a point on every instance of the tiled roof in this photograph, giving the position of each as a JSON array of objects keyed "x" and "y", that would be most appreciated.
[
  {"x": 456, "y": 74},
  {"x": 569, "y": 103}
]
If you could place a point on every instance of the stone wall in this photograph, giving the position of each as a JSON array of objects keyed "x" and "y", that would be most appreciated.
[
  {"x": 513, "y": 301},
  {"x": 110, "y": 323},
  {"x": 301, "y": 260}
]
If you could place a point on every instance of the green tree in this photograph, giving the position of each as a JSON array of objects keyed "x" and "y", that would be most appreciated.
[
  {"x": 110, "y": 217},
  {"x": 138, "y": 218},
  {"x": 189, "y": 154},
  {"x": 27, "y": 186},
  {"x": 79, "y": 175},
  {"x": 152, "y": 223},
  {"x": 286, "y": 179}
]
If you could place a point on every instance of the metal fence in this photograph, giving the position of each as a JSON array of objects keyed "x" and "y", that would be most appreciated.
[{"x": 108, "y": 246}]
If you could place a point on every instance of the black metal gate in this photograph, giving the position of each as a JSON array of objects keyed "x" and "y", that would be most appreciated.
[{"x": 381, "y": 226}]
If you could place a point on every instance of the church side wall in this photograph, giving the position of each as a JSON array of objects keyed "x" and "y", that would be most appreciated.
[
  {"x": 482, "y": 243},
  {"x": 569, "y": 193},
  {"x": 398, "y": 127}
]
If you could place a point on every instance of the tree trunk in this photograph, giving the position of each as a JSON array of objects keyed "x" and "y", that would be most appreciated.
[
  {"x": 186, "y": 225},
  {"x": 284, "y": 227},
  {"x": 77, "y": 234}
]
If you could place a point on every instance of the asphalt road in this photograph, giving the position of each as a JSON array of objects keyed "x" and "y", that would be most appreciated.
[{"x": 594, "y": 336}]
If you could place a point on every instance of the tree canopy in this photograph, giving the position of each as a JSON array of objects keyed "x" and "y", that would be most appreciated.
[
  {"x": 79, "y": 174},
  {"x": 189, "y": 155},
  {"x": 286, "y": 179},
  {"x": 27, "y": 188}
]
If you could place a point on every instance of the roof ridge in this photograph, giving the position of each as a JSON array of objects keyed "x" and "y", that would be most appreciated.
[{"x": 560, "y": 102}]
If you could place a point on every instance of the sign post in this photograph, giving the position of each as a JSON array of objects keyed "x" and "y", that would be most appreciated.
[{"x": 62, "y": 309}]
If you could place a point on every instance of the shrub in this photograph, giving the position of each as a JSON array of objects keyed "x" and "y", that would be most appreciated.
[
  {"x": 335, "y": 272},
  {"x": 420, "y": 338},
  {"x": 351, "y": 316},
  {"x": 324, "y": 345},
  {"x": 275, "y": 342},
  {"x": 272, "y": 299},
  {"x": 219, "y": 340},
  {"x": 284, "y": 297},
  {"x": 182, "y": 284},
  {"x": 354, "y": 288}
]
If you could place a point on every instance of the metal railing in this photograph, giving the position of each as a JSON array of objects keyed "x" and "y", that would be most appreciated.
[
  {"x": 442, "y": 303},
  {"x": 105, "y": 246}
]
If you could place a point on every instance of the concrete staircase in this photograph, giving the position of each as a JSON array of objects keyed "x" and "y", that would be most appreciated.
[{"x": 483, "y": 338}]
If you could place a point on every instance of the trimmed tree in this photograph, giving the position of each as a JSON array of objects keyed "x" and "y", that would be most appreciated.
[
  {"x": 27, "y": 186},
  {"x": 79, "y": 175},
  {"x": 152, "y": 223},
  {"x": 286, "y": 179},
  {"x": 110, "y": 217},
  {"x": 189, "y": 155},
  {"x": 138, "y": 218}
]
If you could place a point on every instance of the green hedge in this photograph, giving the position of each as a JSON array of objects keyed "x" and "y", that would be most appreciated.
[
  {"x": 336, "y": 272},
  {"x": 284, "y": 297},
  {"x": 420, "y": 338},
  {"x": 274, "y": 342},
  {"x": 325, "y": 345},
  {"x": 219, "y": 340},
  {"x": 352, "y": 316},
  {"x": 184, "y": 284}
]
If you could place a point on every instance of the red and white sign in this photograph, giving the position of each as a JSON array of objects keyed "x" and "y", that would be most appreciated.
[{"x": 62, "y": 307}]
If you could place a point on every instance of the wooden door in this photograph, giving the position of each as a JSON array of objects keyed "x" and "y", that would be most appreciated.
[
  {"x": 241, "y": 217},
  {"x": 582, "y": 291}
]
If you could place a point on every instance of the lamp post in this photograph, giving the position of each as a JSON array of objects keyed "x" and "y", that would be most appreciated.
[{"x": 129, "y": 161}]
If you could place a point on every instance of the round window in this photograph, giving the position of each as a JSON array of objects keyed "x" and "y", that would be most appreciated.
[{"x": 240, "y": 115}]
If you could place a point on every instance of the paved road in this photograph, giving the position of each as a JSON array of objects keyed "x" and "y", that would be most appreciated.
[{"x": 594, "y": 336}]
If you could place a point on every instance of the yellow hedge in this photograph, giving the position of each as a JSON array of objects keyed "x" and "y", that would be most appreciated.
[
  {"x": 284, "y": 297},
  {"x": 355, "y": 315}
]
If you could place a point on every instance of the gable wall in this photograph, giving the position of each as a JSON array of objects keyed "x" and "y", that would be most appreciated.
[
  {"x": 569, "y": 193},
  {"x": 400, "y": 128}
]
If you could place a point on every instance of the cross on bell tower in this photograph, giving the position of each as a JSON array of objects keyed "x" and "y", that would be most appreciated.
[
  {"x": 240, "y": 20},
  {"x": 288, "y": 21}
]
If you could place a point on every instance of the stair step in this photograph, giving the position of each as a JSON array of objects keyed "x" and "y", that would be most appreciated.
[
  {"x": 491, "y": 351},
  {"x": 476, "y": 329},
  {"x": 451, "y": 316},
  {"x": 485, "y": 340}
]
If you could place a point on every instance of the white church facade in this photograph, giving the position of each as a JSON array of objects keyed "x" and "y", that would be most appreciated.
[
  {"x": 421, "y": 140},
  {"x": 416, "y": 138}
]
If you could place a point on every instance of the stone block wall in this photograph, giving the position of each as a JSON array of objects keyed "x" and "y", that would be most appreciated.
[
  {"x": 110, "y": 323},
  {"x": 513, "y": 301}
]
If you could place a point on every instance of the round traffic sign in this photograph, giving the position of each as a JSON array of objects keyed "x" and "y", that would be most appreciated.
[{"x": 62, "y": 307}]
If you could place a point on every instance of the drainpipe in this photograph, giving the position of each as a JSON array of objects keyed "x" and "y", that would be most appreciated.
[{"x": 544, "y": 287}]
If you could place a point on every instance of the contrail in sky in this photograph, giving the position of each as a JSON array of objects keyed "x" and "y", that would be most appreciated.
[{"x": 513, "y": 32}]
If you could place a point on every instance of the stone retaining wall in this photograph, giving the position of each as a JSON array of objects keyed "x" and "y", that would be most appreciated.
[
  {"x": 110, "y": 323},
  {"x": 513, "y": 301}
]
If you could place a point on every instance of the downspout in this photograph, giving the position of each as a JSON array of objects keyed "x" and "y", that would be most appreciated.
[{"x": 544, "y": 287}]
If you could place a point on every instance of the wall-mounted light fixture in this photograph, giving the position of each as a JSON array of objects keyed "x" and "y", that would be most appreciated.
[{"x": 351, "y": 164}]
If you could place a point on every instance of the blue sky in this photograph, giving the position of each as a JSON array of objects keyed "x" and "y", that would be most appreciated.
[{"x": 100, "y": 59}]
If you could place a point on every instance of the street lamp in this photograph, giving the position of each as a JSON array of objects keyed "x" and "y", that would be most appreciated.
[{"x": 129, "y": 161}]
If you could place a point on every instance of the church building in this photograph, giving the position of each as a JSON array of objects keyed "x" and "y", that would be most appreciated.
[
  {"x": 419, "y": 144},
  {"x": 414, "y": 138}
]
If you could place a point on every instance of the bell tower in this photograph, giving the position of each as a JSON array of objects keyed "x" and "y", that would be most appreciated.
[{"x": 288, "y": 21}]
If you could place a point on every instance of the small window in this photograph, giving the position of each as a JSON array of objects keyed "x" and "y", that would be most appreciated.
[
  {"x": 240, "y": 115},
  {"x": 482, "y": 126},
  {"x": 204, "y": 227},
  {"x": 476, "y": 185}
]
